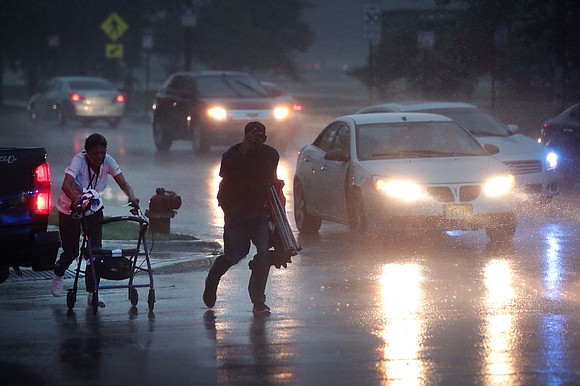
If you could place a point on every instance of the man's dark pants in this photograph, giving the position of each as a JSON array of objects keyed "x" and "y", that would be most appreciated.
[{"x": 239, "y": 232}]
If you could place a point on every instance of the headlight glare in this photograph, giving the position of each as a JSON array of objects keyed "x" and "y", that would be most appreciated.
[
  {"x": 281, "y": 113},
  {"x": 403, "y": 190},
  {"x": 499, "y": 185},
  {"x": 217, "y": 113},
  {"x": 551, "y": 161}
]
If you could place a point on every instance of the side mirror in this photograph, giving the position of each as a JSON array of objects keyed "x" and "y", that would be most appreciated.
[
  {"x": 514, "y": 129},
  {"x": 336, "y": 155},
  {"x": 491, "y": 149}
]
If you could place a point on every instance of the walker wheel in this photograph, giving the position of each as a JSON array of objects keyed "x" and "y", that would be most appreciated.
[
  {"x": 151, "y": 299},
  {"x": 71, "y": 298},
  {"x": 133, "y": 296},
  {"x": 95, "y": 303}
]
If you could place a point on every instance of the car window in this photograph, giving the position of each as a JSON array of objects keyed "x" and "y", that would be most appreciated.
[
  {"x": 475, "y": 121},
  {"x": 414, "y": 140},
  {"x": 53, "y": 85},
  {"x": 342, "y": 140},
  {"x": 575, "y": 113},
  {"x": 180, "y": 83},
  {"x": 90, "y": 85},
  {"x": 230, "y": 86},
  {"x": 326, "y": 139}
]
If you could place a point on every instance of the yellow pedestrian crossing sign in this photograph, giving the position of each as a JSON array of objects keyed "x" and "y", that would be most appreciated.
[
  {"x": 113, "y": 50},
  {"x": 114, "y": 26}
]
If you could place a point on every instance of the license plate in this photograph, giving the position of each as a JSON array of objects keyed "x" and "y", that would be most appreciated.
[{"x": 457, "y": 211}]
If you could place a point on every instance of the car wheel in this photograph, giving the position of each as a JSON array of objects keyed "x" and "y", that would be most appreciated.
[
  {"x": 357, "y": 215},
  {"x": 305, "y": 222},
  {"x": 160, "y": 137},
  {"x": 502, "y": 233},
  {"x": 4, "y": 273},
  {"x": 60, "y": 117},
  {"x": 199, "y": 141}
]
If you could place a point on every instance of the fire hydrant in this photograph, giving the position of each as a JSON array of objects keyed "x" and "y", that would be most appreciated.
[{"x": 162, "y": 209}]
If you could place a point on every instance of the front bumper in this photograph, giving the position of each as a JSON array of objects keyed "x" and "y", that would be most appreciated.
[
  {"x": 82, "y": 110},
  {"x": 432, "y": 214},
  {"x": 542, "y": 184}
]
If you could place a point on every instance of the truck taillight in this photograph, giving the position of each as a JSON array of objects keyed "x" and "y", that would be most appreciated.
[{"x": 43, "y": 199}]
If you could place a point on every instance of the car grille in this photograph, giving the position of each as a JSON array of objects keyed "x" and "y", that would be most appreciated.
[
  {"x": 524, "y": 167},
  {"x": 445, "y": 194},
  {"x": 441, "y": 193},
  {"x": 469, "y": 192}
]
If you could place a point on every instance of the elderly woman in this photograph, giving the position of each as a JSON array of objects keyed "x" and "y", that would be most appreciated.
[{"x": 88, "y": 170}]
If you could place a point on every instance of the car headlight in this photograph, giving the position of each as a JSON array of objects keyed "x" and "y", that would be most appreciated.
[
  {"x": 551, "y": 161},
  {"x": 499, "y": 185},
  {"x": 399, "y": 189},
  {"x": 281, "y": 113},
  {"x": 217, "y": 113}
]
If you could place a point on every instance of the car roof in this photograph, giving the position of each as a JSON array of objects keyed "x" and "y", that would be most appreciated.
[
  {"x": 211, "y": 73},
  {"x": 364, "y": 119},
  {"x": 76, "y": 78},
  {"x": 421, "y": 105}
]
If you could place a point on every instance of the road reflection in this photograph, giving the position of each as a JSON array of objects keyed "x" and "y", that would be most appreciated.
[
  {"x": 499, "y": 324},
  {"x": 267, "y": 363},
  {"x": 402, "y": 327},
  {"x": 553, "y": 263}
]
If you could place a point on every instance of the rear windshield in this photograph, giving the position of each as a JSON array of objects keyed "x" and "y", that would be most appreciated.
[{"x": 90, "y": 85}]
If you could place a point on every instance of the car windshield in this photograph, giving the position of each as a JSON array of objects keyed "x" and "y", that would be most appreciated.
[
  {"x": 475, "y": 121},
  {"x": 90, "y": 85},
  {"x": 230, "y": 86},
  {"x": 414, "y": 140}
]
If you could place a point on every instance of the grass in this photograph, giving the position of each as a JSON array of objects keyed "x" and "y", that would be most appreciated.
[{"x": 127, "y": 230}]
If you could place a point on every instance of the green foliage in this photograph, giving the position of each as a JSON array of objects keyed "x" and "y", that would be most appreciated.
[
  {"x": 230, "y": 34},
  {"x": 252, "y": 35}
]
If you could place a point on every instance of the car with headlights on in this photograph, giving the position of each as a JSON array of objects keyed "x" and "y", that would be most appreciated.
[
  {"x": 534, "y": 165},
  {"x": 562, "y": 134},
  {"x": 284, "y": 97},
  {"x": 80, "y": 98},
  {"x": 212, "y": 107},
  {"x": 403, "y": 171}
]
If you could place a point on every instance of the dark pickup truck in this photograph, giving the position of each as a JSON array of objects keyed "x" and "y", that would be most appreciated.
[{"x": 25, "y": 204}]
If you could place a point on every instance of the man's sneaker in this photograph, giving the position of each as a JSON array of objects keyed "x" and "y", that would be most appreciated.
[
  {"x": 209, "y": 293},
  {"x": 261, "y": 309},
  {"x": 90, "y": 301},
  {"x": 56, "y": 285}
]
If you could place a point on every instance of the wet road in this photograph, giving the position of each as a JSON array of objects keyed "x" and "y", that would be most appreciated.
[{"x": 453, "y": 310}]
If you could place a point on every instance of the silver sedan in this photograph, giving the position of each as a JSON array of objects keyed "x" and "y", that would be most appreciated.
[{"x": 403, "y": 171}]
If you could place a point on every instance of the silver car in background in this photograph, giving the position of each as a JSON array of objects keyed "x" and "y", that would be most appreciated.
[
  {"x": 78, "y": 98},
  {"x": 534, "y": 165}
]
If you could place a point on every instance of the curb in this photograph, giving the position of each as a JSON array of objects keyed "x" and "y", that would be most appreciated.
[{"x": 166, "y": 256}]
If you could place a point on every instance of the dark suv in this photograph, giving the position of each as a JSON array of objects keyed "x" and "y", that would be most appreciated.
[
  {"x": 212, "y": 107},
  {"x": 562, "y": 134}
]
